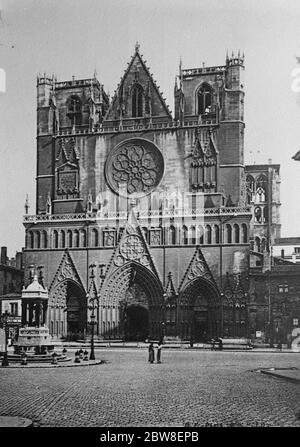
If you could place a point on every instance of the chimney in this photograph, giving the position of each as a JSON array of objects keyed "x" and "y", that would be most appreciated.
[
  {"x": 19, "y": 260},
  {"x": 3, "y": 258}
]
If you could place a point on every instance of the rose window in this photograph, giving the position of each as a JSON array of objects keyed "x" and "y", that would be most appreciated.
[
  {"x": 131, "y": 248},
  {"x": 134, "y": 168}
]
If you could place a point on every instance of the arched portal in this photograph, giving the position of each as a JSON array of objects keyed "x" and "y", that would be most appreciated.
[
  {"x": 131, "y": 304},
  {"x": 136, "y": 323},
  {"x": 68, "y": 311},
  {"x": 199, "y": 311}
]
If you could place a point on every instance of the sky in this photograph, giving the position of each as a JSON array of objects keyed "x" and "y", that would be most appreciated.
[{"x": 75, "y": 37}]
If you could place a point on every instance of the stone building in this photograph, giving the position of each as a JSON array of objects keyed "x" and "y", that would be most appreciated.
[
  {"x": 11, "y": 282},
  {"x": 141, "y": 216},
  {"x": 286, "y": 250},
  {"x": 274, "y": 304}
]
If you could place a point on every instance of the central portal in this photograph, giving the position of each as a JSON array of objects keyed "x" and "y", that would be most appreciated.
[
  {"x": 131, "y": 304},
  {"x": 137, "y": 323}
]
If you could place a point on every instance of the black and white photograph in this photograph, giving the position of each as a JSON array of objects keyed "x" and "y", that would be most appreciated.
[{"x": 150, "y": 217}]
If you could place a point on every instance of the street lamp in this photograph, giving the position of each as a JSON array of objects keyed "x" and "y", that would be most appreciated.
[
  {"x": 92, "y": 323},
  {"x": 4, "y": 320}
]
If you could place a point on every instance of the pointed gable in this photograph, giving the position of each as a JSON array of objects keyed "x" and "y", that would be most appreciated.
[
  {"x": 137, "y": 95},
  {"x": 197, "y": 268},
  {"x": 132, "y": 247},
  {"x": 66, "y": 270}
]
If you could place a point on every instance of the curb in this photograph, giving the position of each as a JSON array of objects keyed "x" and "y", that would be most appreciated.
[
  {"x": 15, "y": 421},
  {"x": 280, "y": 376},
  {"x": 49, "y": 365}
]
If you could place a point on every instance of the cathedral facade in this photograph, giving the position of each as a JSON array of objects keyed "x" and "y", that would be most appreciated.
[{"x": 142, "y": 219}]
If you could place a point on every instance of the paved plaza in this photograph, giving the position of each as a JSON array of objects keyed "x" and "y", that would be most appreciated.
[{"x": 190, "y": 388}]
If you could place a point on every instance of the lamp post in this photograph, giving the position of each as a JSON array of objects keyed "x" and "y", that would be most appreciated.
[
  {"x": 4, "y": 320},
  {"x": 92, "y": 323},
  {"x": 163, "y": 320}
]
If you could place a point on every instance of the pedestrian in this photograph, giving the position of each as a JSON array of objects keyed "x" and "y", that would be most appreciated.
[
  {"x": 151, "y": 353},
  {"x": 213, "y": 341},
  {"x": 279, "y": 346},
  {"x": 159, "y": 346}
]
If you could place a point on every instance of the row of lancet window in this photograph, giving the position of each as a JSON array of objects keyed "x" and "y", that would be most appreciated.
[{"x": 210, "y": 234}]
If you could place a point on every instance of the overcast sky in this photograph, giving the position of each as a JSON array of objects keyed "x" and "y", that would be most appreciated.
[{"x": 73, "y": 37}]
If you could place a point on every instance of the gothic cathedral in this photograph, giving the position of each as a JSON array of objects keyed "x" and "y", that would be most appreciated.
[{"x": 141, "y": 216}]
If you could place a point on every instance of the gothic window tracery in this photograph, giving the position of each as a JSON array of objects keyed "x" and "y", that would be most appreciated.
[
  {"x": 204, "y": 99},
  {"x": 137, "y": 101},
  {"x": 134, "y": 168},
  {"x": 261, "y": 189},
  {"x": 74, "y": 113},
  {"x": 67, "y": 168},
  {"x": 203, "y": 164},
  {"x": 250, "y": 188}
]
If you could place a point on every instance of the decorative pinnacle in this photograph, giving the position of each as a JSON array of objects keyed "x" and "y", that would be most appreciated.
[
  {"x": 26, "y": 206},
  {"x": 137, "y": 47}
]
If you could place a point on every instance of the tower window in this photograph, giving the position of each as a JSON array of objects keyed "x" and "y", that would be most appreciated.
[
  {"x": 204, "y": 99},
  {"x": 74, "y": 110},
  {"x": 137, "y": 101},
  {"x": 261, "y": 189}
]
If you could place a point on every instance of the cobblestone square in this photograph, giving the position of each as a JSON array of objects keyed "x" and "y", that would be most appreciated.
[{"x": 189, "y": 388}]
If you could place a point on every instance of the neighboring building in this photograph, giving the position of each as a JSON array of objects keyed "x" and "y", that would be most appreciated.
[
  {"x": 274, "y": 307},
  {"x": 263, "y": 194},
  {"x": 287, "y": 250},
  {"x": 143, "y": 211},
  {"x": 11, "y": 282}
]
